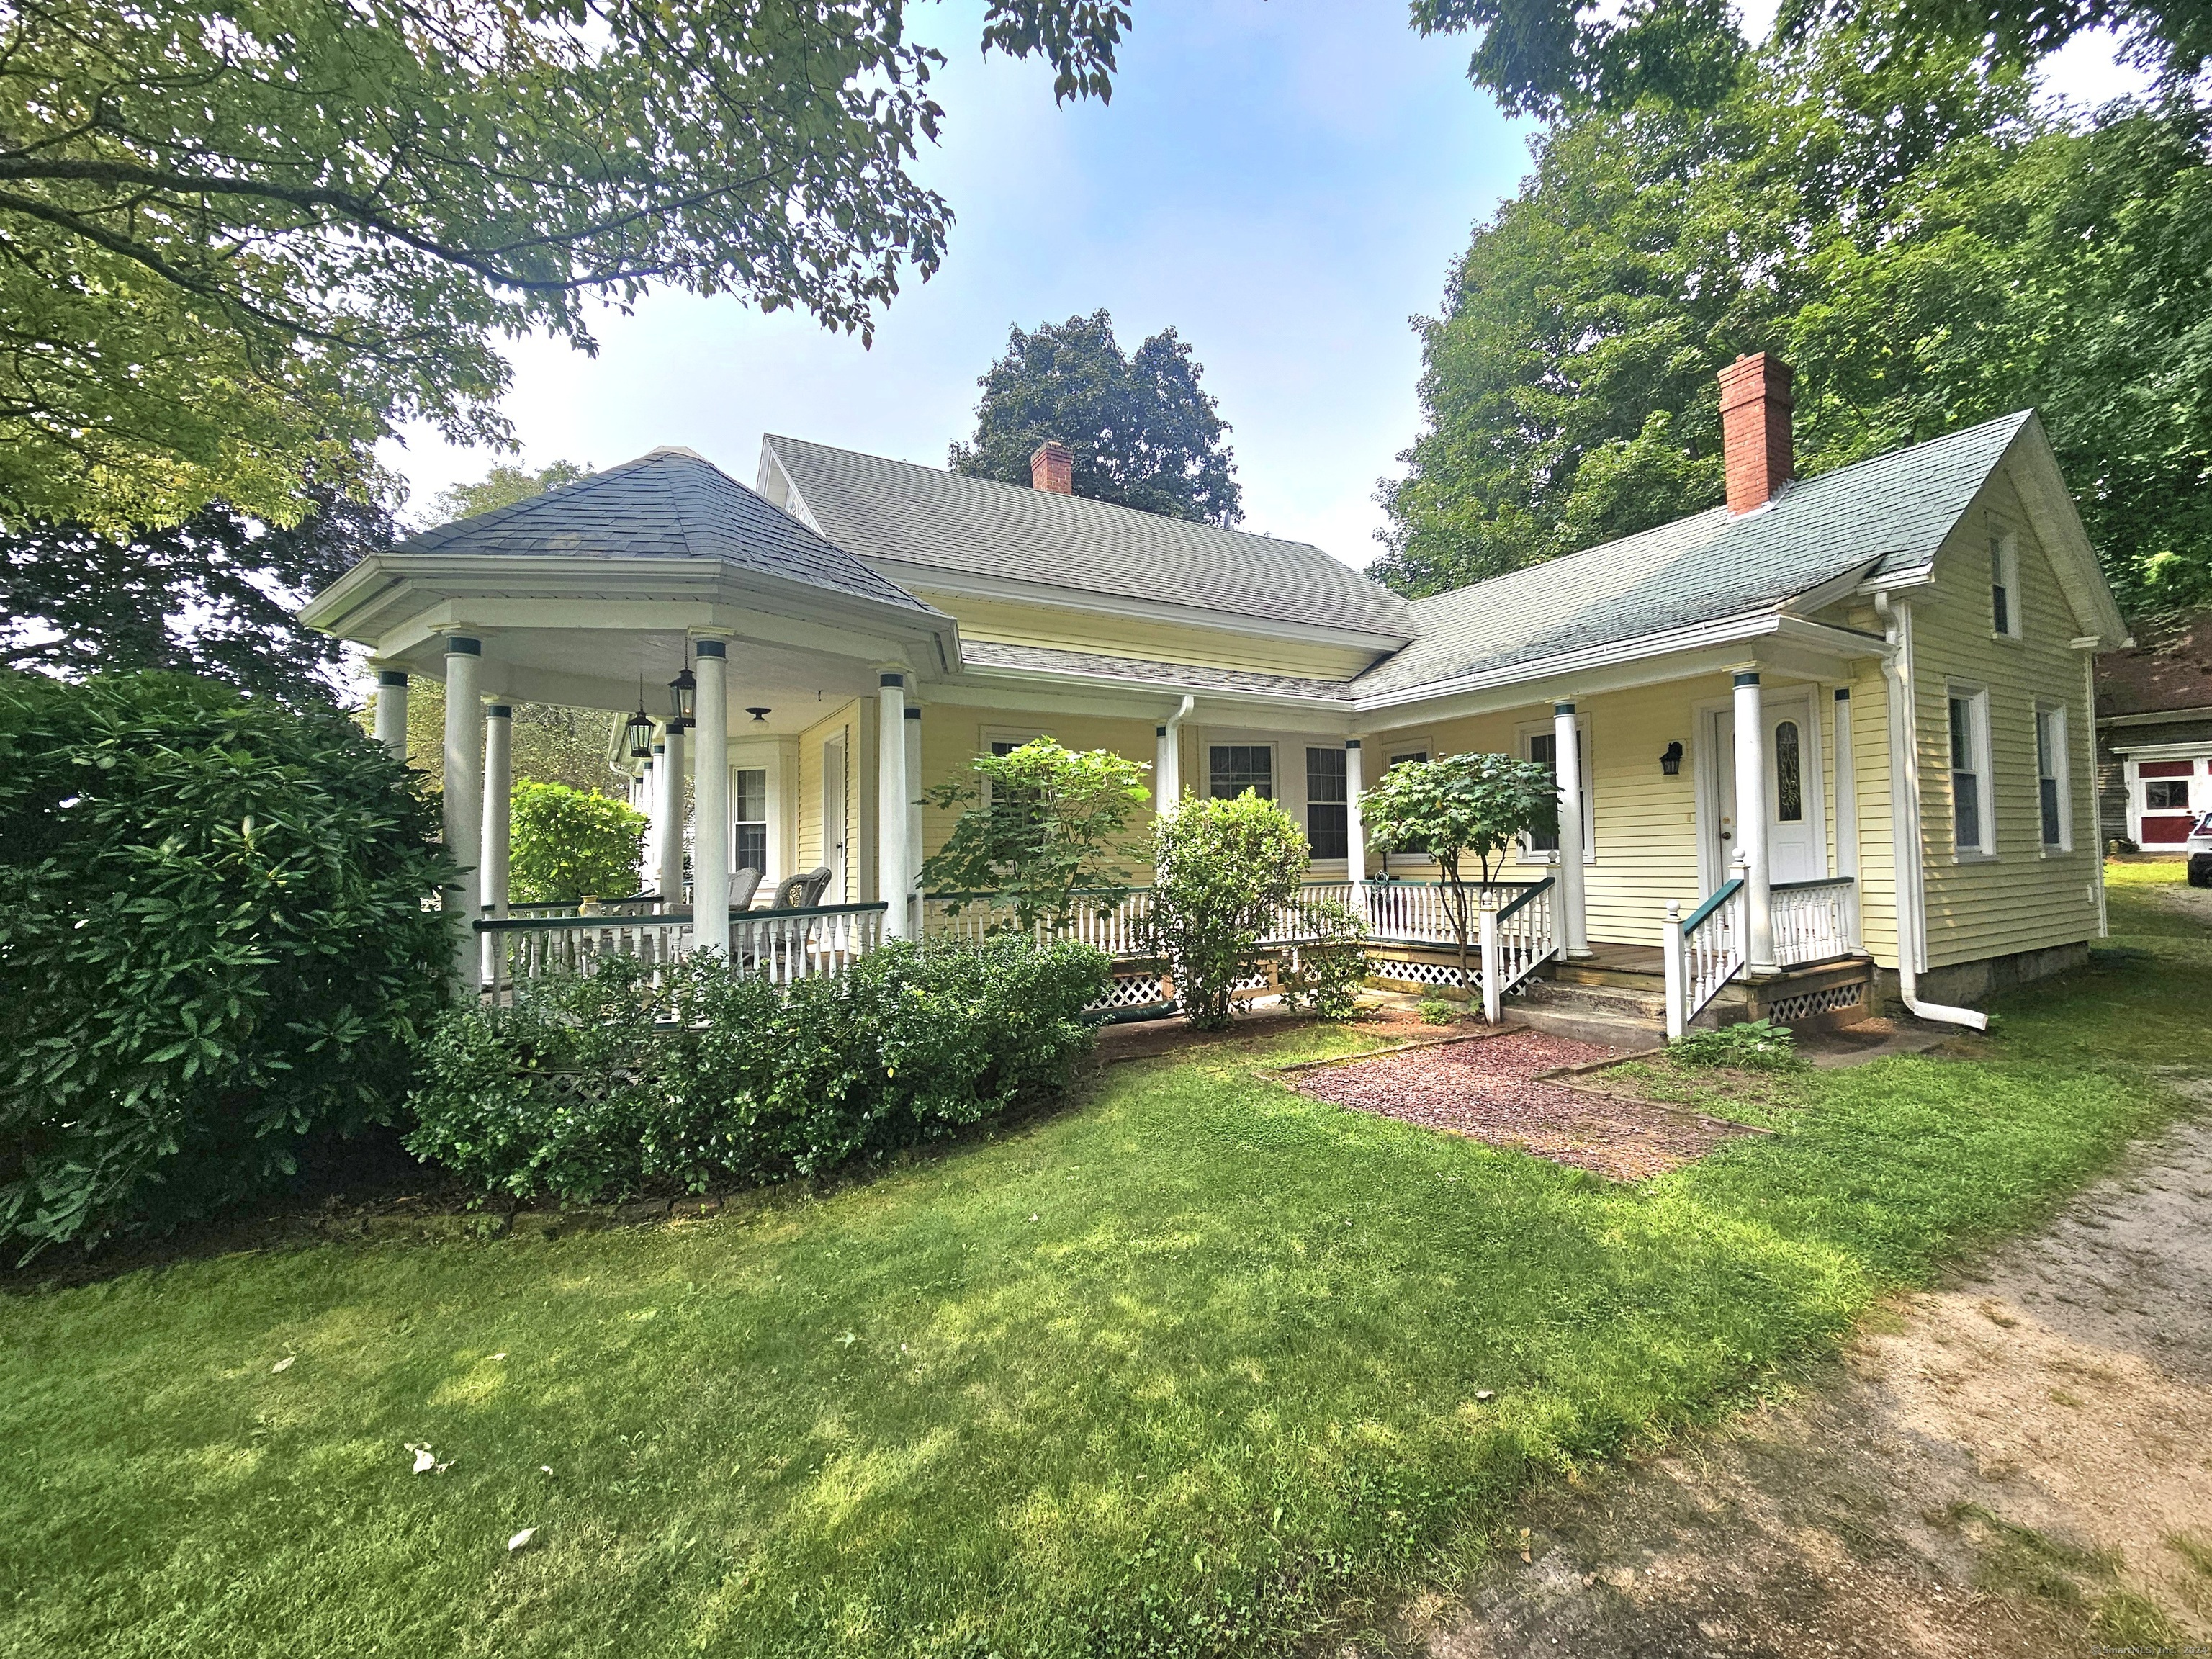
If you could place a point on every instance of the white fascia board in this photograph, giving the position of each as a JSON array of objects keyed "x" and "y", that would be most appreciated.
[
  {"x": 1052, "y": 596},
  {"x": 2159, "y": 717},
  {"x": 1835, "y": 590},
  {"x": 2157, "y": 752},
  {"x": 1745, "y": 629},
  {"x": 391, "y": 601}
]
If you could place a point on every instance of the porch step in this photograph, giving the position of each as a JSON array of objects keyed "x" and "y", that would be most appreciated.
[{"x": 1623, "y": 1016}]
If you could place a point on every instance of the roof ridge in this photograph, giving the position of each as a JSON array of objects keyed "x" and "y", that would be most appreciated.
[{"x": 1030, "y": 492}]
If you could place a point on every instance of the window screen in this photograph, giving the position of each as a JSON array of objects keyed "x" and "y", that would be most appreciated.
[
  {"x": 1968, "y": 827},
  {"x": 2051, "y": 773}
]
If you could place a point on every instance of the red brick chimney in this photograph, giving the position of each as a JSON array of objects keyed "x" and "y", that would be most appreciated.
[
  {"x": 1755, "y": 441},
  {"x": 1052, "y": 467}
]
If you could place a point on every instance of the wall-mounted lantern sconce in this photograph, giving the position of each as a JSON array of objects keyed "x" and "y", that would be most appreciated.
[{"x": 1671, "y": 762}]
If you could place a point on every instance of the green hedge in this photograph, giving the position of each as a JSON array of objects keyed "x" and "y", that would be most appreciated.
[
  {"x": 213, "y": 945},
  {"x": 593, "y": 1086},
  {"x": 565, "y": 843}
]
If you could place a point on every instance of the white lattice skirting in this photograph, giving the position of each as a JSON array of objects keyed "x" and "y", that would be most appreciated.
[
  {"x": 1418, "y": 973},
  {"x": 1807, "y": 1005},
  {"x": 1132, "y": 991}
]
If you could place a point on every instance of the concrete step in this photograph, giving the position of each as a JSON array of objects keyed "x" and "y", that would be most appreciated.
[{"x": 1614, "y": 1016}]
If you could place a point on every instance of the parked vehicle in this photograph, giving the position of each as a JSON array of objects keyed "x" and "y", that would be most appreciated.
[{"x": 2200, "y": 853}]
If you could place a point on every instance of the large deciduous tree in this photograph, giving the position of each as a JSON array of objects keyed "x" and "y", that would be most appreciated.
[
  {"x": 214, "y": 595},
  {"x": 1906, "y": 227},
  {"x": 1143, "y": 433},
  {"x": 1553, "y": 57},
  {"x": 238, "y": 243}
]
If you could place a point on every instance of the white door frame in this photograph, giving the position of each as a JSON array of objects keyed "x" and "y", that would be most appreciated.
[
  {"x": 1712, "y": 859},
  {"x": 835, "y": 852}
]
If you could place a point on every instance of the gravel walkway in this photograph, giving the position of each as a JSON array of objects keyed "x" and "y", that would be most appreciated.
[{"x": 1489, "y": 1090}]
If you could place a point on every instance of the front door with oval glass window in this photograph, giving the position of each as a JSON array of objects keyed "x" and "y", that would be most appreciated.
[{"x": 1797, "y": 837}]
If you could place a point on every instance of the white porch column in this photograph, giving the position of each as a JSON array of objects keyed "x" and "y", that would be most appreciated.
[
  {"x": 670, "y": 877},
  {"x": 710, "y": 868},
  {"x": 1847, "y": 810},
  {"x": 1751, "y": 817},
  {"x": 892, "y": 798},
  {"x": 1355, "y": 834},
  {"x": 464, "y": 798},
  {"x": 392, "y": 711},
  {"x": 913, "y": 796},
  {"x": 499, "y": 783},
  {"x": 499, "y": 777},
  {"x": 1567, "y": 762},
  {"x": 652, "y": 803}
]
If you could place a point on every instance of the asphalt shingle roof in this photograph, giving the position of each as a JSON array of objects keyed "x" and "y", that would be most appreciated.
[
  {"x": 1179, "y": 676},
  {"x": 1895, "y": 509},
  {"x": 669, "y": 504},
  {"x": 896, "y": 510}
]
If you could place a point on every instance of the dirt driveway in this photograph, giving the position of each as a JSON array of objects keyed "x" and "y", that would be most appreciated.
[{"x": 2019, "y": 1463}]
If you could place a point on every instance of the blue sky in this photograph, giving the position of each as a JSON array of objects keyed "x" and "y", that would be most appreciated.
[{"x": 1285, "y": 181}]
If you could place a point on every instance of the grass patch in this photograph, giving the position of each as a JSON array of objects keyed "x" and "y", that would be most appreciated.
[{"x": 1176, "y": 1371}]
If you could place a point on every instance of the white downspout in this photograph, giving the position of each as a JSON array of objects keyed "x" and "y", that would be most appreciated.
[
  {"x": 1905, "y": 821},
  {"x": 1167, "y": 761}
]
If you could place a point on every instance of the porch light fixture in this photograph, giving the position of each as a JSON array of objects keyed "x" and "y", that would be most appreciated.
[
  {"x": 682, "y": 692},
  {"x": 760, "y": 715},
  {"x": 639, "y": 727},
  {"x": 1671, "y": 762}
]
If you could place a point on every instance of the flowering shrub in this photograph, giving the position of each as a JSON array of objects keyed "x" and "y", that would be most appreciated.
[{"x": 595, "y": 1085}]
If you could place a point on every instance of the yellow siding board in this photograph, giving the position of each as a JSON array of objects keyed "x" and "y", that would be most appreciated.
[{"x": 2023, "y": 899}]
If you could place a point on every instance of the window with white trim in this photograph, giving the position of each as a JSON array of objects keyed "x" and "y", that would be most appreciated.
[
  {"x": 2053, "y": 806},
  {"x": 1233, "y": 767},
  {"x": 1328, "y": 801},
  {"x": 2004, "y": 586},
  {"x": 749, "y": 794},
  {"x": 1540, "y": 744},
  {"x": 1972, "y": 833}
]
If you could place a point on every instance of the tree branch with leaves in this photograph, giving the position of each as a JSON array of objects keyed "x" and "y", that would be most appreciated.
[
  {"x": 1458, "y": 805},
  {"x": 1037, "y": 826}
]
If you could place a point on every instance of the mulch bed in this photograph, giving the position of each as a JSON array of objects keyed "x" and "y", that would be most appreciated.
[{"x": 1491, "y": 1091}]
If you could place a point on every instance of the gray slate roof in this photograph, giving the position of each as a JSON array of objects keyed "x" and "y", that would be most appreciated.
[
  {"x": 669, "y": 504},
  {"x": 1895, "y": 509},
  {"x": 1176, "y": 676},
  {"x": 896, "y": 510}
]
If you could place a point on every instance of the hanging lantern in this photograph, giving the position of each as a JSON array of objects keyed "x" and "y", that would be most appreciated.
[
  {"x": 639, "y": 727},
  {"x": 683, "y": 691}
]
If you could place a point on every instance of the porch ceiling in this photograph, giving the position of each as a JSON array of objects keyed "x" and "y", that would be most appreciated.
[{"x": 600, "y": 668}]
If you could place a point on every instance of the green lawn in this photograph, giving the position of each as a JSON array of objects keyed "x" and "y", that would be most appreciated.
[{"x": 1181, "y": 1370}]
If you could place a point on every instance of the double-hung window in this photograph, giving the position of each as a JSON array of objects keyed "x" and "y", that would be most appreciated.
[
  {"x": 1972, "y": 833},
  {"x": 1328, "y": 799},
  {"x": 1542, "y": 746},
  {"x": 749, "y": 796},
  {"x": 2004, "y": 587},
  {"x": 1233, "y": 767},
  {"x": 2050, "y": 779}
]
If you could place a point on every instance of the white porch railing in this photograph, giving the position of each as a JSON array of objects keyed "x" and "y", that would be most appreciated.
[
  {"x": 1518, "y": 938},
  {"x": 1420, "y": 912},
  {"x": 1815, "y": 921},
  {"x": 1704, "y": 951},
  {"x": 779, "y": 945}
]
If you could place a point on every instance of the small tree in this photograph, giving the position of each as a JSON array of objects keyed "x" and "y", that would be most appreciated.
[
  {"x": 1036, "y": 824},
  {"x": 1456, "y": 804},
  {"x": 1223, "y": 871},
  {"x": 567, "y": 843}
]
